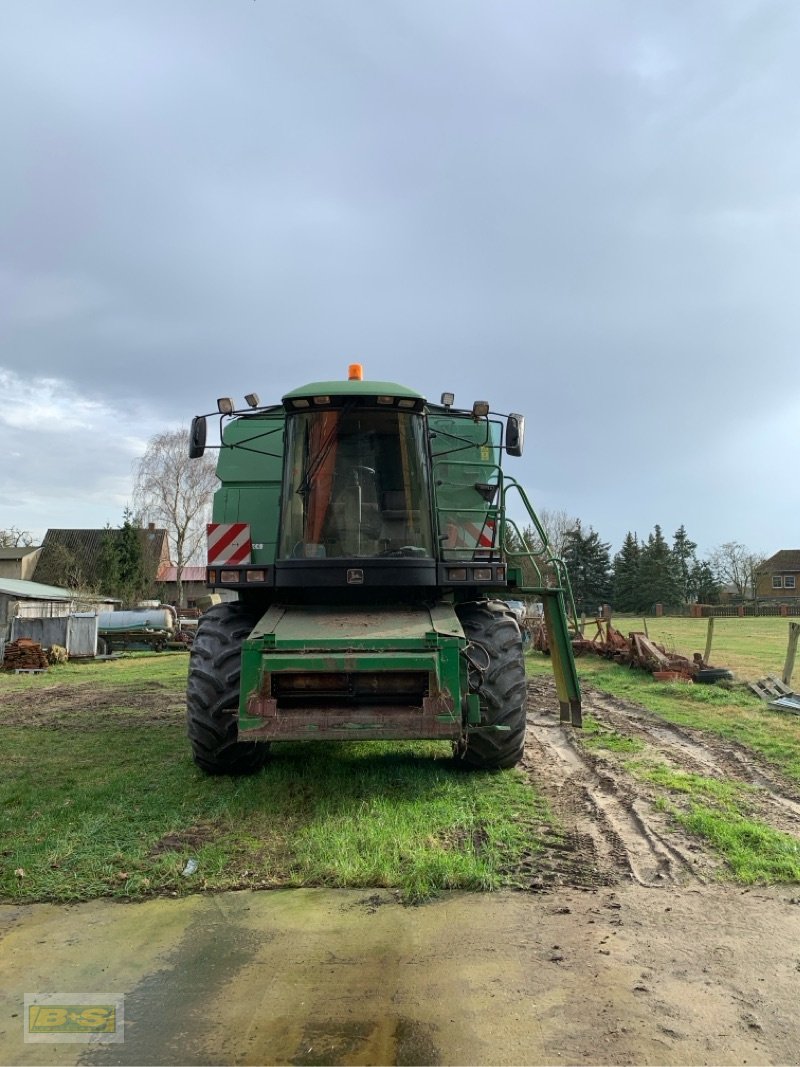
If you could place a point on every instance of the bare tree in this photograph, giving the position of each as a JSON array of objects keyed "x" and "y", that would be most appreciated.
[
  {"x": 557, "y": 525},
  {"x": 175, "y": 492},
  {"x": 734, "y": 564},
  {"x": 15, "y": 538}
]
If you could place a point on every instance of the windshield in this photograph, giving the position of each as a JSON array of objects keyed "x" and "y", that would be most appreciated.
[{"x": 356, "y": 485}]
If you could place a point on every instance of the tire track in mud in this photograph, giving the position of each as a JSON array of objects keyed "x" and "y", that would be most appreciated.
[
  {"x": 702, "y": 753},
  {"x": 616, "y": 830},
  {"x": 614, "y": 827}
]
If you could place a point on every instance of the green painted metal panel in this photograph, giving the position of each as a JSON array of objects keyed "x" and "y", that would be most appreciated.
[
  {"x": 252, "y": 449},
  {"x": 465, "y": 454},
  {"x": 250, "y": 467},
  {"x": 319, "y": 639},
  {"x": 352, "y": 388},
  {"x": 561, "y": 656},
  {"x": 358, "y": 628},
  {"x": 275, "y": 662}
]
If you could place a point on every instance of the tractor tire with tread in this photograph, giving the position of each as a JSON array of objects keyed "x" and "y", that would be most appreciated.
[
  {"x": 212, "y": 698},
  {"x": 502, "y": 691}
]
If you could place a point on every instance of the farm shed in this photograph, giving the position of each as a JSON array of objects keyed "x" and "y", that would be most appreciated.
[
  {"x": 76, "y": 633},
  {"x": 778, "y": 578},
  {"x": 19, "y": 562},
  {"x": 21, "y": 597},
  {"x": 35, "y": 600}
]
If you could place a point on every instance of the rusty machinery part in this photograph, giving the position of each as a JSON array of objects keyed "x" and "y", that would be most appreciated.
[{"x": 640, "y": 651}]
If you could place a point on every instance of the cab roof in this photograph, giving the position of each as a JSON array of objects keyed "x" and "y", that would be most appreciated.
[{"x": 352, "y": 388}]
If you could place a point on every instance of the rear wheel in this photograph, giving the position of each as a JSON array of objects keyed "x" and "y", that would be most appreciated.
[
  {"x": 500, "y": 685},
  {"x": 212, "y": 697}
]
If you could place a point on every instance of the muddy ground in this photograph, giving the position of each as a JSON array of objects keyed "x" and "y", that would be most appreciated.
[
  {"x": 623, "y": 947},
  {"x": 60, "y": 707},
  {"x": 615, "y": 831}
]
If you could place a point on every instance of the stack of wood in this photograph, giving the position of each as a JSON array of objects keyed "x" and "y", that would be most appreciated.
[{"x": 24, "y": 655}]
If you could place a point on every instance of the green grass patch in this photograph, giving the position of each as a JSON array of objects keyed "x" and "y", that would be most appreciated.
[
  {"x": 596, "y": 736},
  {"x": 754, "y": 852},
  {"x": 129, "y": 669},
  {"x": 721, "y": 790},
  {"x": 717, "y": 812},
  {"x": 98, "y": 809}
]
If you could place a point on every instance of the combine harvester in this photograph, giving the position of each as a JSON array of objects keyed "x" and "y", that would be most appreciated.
[{"x": 366, "y": 534}]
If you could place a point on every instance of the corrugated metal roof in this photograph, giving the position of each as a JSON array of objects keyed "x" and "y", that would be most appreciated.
[
  {"x": 787, "y": 703},
  {"x": 169, "y": 573},
  {"x": 85, "y": 547},
  {"x": 34, "y": 590}
]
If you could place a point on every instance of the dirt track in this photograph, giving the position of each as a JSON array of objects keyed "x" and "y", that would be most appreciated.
[
  {"x": 61, "y": 706},
  {"x": 625, "y": 949},
  {"x": 615, "y": 831}
]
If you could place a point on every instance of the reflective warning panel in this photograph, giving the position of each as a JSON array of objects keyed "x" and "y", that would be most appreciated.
[{"x": 228, "y": 543}]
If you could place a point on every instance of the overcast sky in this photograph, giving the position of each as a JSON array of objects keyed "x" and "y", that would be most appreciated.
[{"x": 587, "y": 212}]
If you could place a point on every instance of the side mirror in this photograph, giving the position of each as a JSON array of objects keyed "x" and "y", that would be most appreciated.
[
  {"x": 515, "y": 434},
  {"x": 197, "y": 437}
]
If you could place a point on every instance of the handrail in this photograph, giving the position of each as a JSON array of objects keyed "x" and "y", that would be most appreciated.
[
  {"x": 488, "y": 518},
  {"x": 499, "y": 511},
  {"x": 526, "y": 552}
]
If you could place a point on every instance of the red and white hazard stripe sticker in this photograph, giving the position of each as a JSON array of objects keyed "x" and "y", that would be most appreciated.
[
  {"x": 481, "y": 538},
  {"x": 228, "y": 543},
  {"x": 469, "y": 535}
]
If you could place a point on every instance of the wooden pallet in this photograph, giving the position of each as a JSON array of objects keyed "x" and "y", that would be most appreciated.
[{"x": 768, "y": 688}]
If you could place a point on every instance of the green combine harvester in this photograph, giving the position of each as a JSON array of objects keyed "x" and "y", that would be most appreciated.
[{"x": 367, "y": 536}]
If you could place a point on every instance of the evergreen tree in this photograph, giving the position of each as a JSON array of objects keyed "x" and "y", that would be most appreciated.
[
  {"x": 626, "y": 574},
  {"x": 121, "y": 568},
  {"x": 703, "y": 585},
  {"x": 108, "y": 562},
  {"x": 130, "y": 563},
  {"x": 589, "y": 566},
  {"x": 683, "y": 554},
  {"x": 658, "y": 579}
]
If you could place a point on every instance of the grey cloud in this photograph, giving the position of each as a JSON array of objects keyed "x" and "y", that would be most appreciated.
[{"x": 585, "y": 211}]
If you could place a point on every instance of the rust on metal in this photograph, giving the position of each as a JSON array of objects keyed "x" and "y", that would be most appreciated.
[
  {"x": 358, "y": 705},
  {"x": 636, "y": 650}
]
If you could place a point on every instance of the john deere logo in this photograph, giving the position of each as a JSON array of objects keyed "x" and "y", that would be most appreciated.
[{"x": 73, "y": 1019}]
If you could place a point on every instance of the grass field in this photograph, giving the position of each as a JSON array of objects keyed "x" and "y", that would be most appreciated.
[
  {"x": 105, "y": 800},
  {"x": 750, "y": 647},
  {"x": 99, "y": 796}
]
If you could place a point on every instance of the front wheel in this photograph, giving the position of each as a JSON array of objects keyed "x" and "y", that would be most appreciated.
[
  {"x": 501, "y": 686},
  {"x": 212, "y": 696}
]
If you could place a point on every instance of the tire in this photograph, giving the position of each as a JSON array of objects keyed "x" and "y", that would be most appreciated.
[
  {"x": 490, "y": 624},
  {"x": 710, "y": 675},
  {"x": 212, "y": 696},
  {"x": 102, "y": 646}
]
